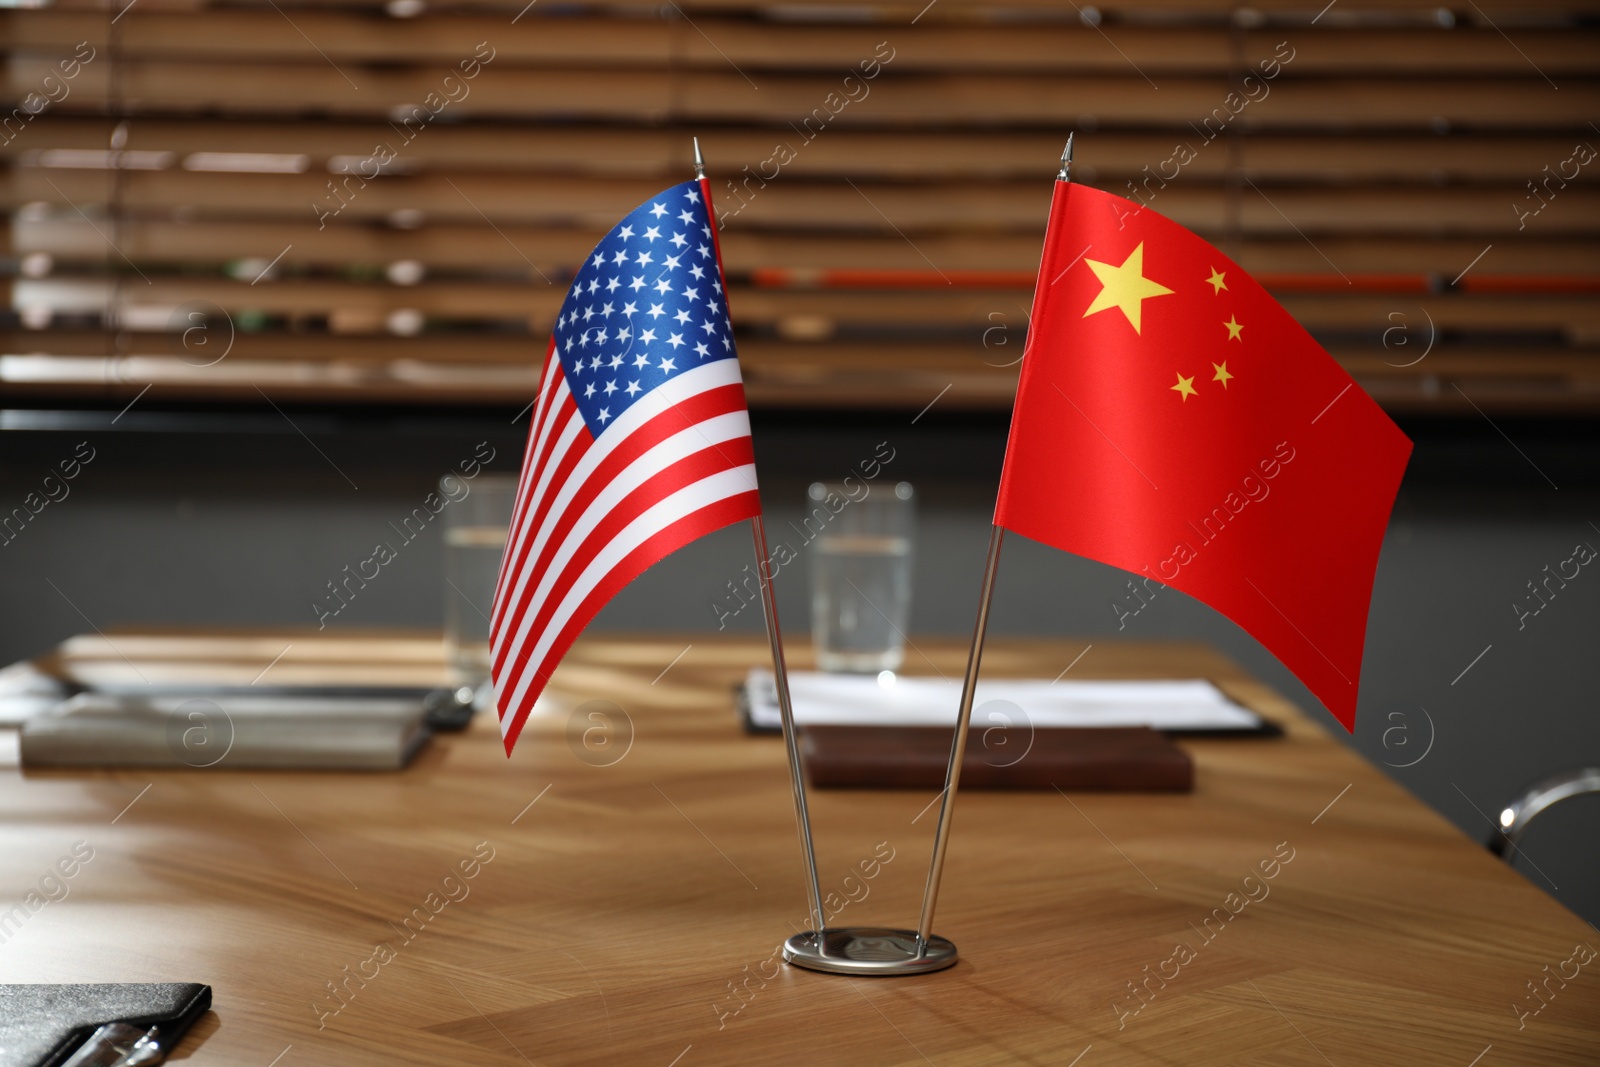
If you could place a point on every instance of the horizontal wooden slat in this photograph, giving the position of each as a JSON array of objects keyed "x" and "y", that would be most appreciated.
[
  {"x": 369, "y": 381},
  {"x": 1513, "y": 12},
  {"x": 991, "y": 349},
  {"x": 777, "y": 375},
  {"x": 265, "y": 35},
  {"x": 842, "y": 206},
  {"x": 275, "y": 346},
  {"x": 653, "y": 96},
  {"x": 1109, "y": 157},
  {"x": 1574, "y": 315},
  {"x": 162, "y": 243}
]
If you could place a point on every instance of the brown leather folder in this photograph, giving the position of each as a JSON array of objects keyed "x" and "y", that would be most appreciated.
[{"x": 1110, "y": 759}]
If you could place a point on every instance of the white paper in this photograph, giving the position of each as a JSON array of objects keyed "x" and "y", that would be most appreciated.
[{"x": 860, "y": 700}]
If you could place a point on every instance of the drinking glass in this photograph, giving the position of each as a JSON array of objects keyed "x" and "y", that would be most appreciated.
[
  {"x": 861, "y": 540},
  {"x": 474, "y": 540}
]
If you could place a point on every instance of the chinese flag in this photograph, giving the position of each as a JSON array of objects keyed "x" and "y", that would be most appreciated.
[{"x": 1173, "y": 420}]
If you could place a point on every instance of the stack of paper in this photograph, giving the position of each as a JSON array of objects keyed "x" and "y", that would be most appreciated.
[{"x": 1184, "y": 705}]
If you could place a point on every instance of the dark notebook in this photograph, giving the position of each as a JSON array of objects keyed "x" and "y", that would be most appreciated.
[
  {"x": 44, "y": 1025},
  {"x": 1133, "y": 759}
]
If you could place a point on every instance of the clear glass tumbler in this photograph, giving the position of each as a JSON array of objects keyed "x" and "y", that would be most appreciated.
[
  {"x": 474, "y": 540},
  {"x": 861, "y": 540}
]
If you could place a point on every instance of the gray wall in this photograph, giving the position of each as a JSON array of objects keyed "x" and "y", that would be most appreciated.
[{"x": 238, "y": 518}]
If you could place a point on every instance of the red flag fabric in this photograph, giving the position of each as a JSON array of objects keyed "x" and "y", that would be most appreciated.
[
  {"x": 639, "y": 443},
  {"x": 1172, "y": 419}
]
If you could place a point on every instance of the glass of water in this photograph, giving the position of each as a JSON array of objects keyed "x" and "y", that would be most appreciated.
[
  {"x": 474, "y": 540},
  {"x": 860, "y": 538}
]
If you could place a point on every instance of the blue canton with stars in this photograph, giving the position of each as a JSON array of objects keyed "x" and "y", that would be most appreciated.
[{"x": 646, "y": 306}]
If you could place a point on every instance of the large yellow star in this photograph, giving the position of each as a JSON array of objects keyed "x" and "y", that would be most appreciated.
[
  {"x": 1124, "y": 287},
  {"x": 1185, "y": 387}
]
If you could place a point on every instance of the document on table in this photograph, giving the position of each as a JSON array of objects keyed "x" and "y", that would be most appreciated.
[{"x": 1190, "y": 705}]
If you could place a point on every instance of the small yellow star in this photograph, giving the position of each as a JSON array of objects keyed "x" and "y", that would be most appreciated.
[
  {"x": 1233, "y": 329},
  {"x": 1124, "y": 287},
  {"x": 1184, "y": 388},
  {"x": 1218, "y": 281},
  {"x": 1222, "y": 374}
]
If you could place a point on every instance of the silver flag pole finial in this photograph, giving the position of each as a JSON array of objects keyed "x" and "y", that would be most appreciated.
[
  {"x": 699, "y": 161},
  {"x": 1065, "y": 174}
]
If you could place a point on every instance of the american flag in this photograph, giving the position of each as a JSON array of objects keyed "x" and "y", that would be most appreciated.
[{"x": 640, "y": 441}]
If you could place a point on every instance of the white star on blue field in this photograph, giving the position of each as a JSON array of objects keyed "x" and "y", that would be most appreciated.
[{"x": 646, "y": 306}]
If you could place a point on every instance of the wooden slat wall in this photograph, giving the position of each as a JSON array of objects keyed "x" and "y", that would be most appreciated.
[{"x": 1405, "y": 185}]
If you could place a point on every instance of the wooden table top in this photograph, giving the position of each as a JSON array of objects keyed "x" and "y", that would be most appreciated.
[{"x": 625, "y": 907}]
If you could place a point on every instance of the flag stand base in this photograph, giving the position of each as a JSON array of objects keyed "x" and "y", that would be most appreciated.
[{"x": 868, "y": 950}]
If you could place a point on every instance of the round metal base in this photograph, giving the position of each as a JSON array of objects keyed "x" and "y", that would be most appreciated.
[{"x": 868, "y": 950}]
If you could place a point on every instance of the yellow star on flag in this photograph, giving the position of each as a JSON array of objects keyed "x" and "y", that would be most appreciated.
[
  {"x": 1124, "y": 287},
  {"x": 1222, "y": 374},
  {"x": 1234, "y": 326},
  {"x": 1184, "y": 388},
  {"x": 1218, "y": 281}
]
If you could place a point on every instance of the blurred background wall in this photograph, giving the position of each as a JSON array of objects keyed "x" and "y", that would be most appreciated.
[{"x": 273, "y": 268}]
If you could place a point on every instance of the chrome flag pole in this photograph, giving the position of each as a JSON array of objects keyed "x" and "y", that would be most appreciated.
[
  {"x": 958, "y": 747},
  {"x": 780, "y": 672},
  {"x": 780, "y": 677}
]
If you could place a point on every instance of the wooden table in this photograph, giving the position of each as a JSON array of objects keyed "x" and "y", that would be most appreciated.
[{"x": 629, "y": 913}]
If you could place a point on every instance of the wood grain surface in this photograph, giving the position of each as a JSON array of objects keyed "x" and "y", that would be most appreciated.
[{"x": 616, "y": 891}]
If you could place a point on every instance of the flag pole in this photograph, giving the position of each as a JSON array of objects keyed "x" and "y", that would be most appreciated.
[
  {"x": 780, "y": 672},
  {"x": 780, "y": 677},
  {"x": 958, "y": 745}
]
